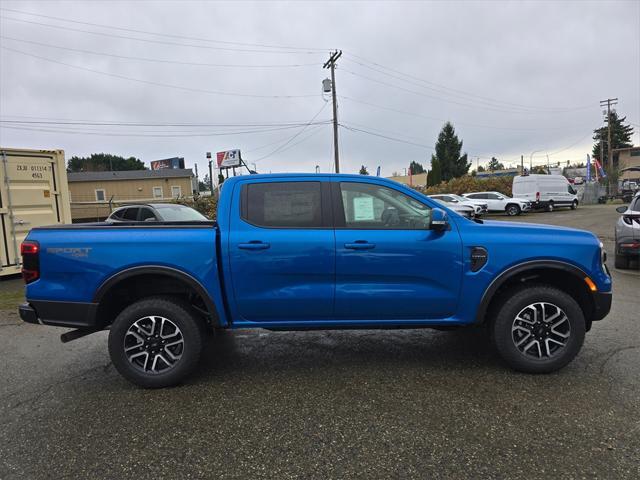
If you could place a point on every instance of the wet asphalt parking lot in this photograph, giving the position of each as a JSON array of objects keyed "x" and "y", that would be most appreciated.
[{"x": 338, "y": 404}]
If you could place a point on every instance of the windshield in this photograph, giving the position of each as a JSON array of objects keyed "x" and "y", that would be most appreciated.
[{"x": 180, "y": 213}]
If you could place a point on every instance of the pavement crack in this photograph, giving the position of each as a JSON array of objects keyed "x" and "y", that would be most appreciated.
[
  {"x": 615, "y": 352},
  {"x": 38, "y": 395}
]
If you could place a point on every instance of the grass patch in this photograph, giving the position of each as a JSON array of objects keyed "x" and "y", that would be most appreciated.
[{"x": 11, "y": 296}]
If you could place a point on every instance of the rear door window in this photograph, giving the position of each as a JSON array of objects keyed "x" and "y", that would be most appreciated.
[
  {"x": 131, "y": 214},
  {"x": 146, "y": 213},
  {"x": 283, "y": 204}
]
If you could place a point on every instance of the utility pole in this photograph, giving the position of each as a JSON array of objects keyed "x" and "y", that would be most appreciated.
[
  {"x": 521, "y": 164},
  {"x": 608, "y": 102},
  {"x": 331, "y": 63},
  {"x": 197, "y": 180}
]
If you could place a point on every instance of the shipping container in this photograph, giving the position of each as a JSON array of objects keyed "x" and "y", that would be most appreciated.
[{"x": 33, "y": 192}]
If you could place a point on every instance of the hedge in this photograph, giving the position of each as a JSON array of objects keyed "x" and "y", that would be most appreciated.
[{"x": 468, "y": 184}]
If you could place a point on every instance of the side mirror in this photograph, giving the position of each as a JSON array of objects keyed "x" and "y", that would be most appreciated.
[
  {"x": 439, "y": 220},
  {"x": 621, "y": 209}
]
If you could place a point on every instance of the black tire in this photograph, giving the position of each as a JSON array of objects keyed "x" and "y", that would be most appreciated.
[
  {"x": 512, "y": 210},
  {"x": 621, "y": 261},
  {"x": 550, "y": 206},
  {"x": 519, "y": 300},
  {"x": 180, "y": 315},
  {"x": 574, "y": 205}
]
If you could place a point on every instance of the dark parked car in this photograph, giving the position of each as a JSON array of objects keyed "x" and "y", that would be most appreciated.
[{"x": 156, "y": 212}]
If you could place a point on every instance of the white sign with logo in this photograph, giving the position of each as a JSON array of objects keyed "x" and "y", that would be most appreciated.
[{"x": 229, "y": 158}]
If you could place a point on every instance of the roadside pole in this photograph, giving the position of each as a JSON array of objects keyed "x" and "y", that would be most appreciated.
[{"x": 331, "y": 63}]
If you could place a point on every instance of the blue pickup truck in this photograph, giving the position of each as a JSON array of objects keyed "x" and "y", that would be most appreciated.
[{"x": 296, "y": 251}]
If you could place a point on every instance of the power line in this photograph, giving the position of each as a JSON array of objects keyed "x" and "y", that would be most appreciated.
[
  {"x": 159, "y": 60},
  {"x": 281, "y": 147},
  {"x": 139, "y": 124},
  {"x": 157, "y": 84},
  {"x": 426, "y": 95},
  {"x": 161, "y": 42},
  {"x": 164, "y": 34},
  {"x": 418, "y": 115},
  {"x": 353, "y": 129},
  {"x": 312, "y": 133},
  {"x": 94, "y": 132},
  {"x": 444, "y": 89}
]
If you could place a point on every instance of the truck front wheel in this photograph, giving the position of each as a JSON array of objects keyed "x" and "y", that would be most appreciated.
[
  {"x": 156, "y": 342},
  {"x": 538, "y": 329}
]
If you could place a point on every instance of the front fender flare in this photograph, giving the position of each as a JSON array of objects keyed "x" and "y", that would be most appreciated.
[{"x": 517, "y": 269}]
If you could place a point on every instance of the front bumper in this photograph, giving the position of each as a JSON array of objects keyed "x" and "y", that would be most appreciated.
[{"x": 601, "y": 304}]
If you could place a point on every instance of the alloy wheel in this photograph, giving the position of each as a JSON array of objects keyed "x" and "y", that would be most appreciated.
[
  {"x": 541, "y": 330},
  {"x": 153, "y": 344}
]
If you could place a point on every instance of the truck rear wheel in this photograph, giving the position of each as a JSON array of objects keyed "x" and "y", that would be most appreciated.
[
  {"x": 156, "y": 342},
  {"x": 538, "y": 329}
]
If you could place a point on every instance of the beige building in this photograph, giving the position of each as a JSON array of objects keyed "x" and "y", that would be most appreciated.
[
  {"x": 627, "y": 158},
  {"x": 417, "y": 180},
  {"x": 95, "y": 194}
]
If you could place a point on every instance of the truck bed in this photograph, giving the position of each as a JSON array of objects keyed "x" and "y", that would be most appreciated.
[{"x": 79, "y": 260}]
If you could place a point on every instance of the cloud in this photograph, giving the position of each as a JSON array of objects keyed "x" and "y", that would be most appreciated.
[{"x": 512, "y": 77}]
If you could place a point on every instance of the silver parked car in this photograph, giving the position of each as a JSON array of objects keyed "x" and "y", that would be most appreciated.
[
  {"x": 156, "y": 212},
  {"x": 479, "y": 207},
  {"x": 465, "y": 210},
  {"x": 628, "y": 234}
]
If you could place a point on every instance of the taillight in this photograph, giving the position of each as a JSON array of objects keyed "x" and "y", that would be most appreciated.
[
  {"x": 30, "y": 261},
  {"x": 537, "y": 196},
  {"x": 629, "y": 219}
]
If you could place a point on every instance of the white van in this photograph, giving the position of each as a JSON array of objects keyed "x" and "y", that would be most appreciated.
[{"x": 545, "y": 191}]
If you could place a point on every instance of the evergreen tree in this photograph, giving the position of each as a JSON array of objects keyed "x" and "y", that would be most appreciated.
[
  {"x": 494, "y": 165},
  {"x": 363, "y": 170},
  {"x": 104, "y": 162},
  {"x": 416, "y": 168},
  {"x": 481, "y": 168},
  {"x": 448, "y": 148},
  {"x": 621, "y": 135},
  {"x": 204, "y": 184},
  {"x": 434, "y": 177}
]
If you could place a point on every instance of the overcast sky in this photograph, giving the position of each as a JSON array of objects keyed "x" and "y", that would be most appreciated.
[{"x": 513, "y": 77}]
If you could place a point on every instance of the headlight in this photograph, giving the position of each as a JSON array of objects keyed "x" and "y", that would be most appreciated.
[{"x": 603, "y": 257}]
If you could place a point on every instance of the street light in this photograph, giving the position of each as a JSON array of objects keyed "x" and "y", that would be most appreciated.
[{"x": 531, "y": 159}]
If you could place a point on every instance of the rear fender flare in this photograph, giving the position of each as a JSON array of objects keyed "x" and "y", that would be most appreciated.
[{"x": 106, "y": 286}]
